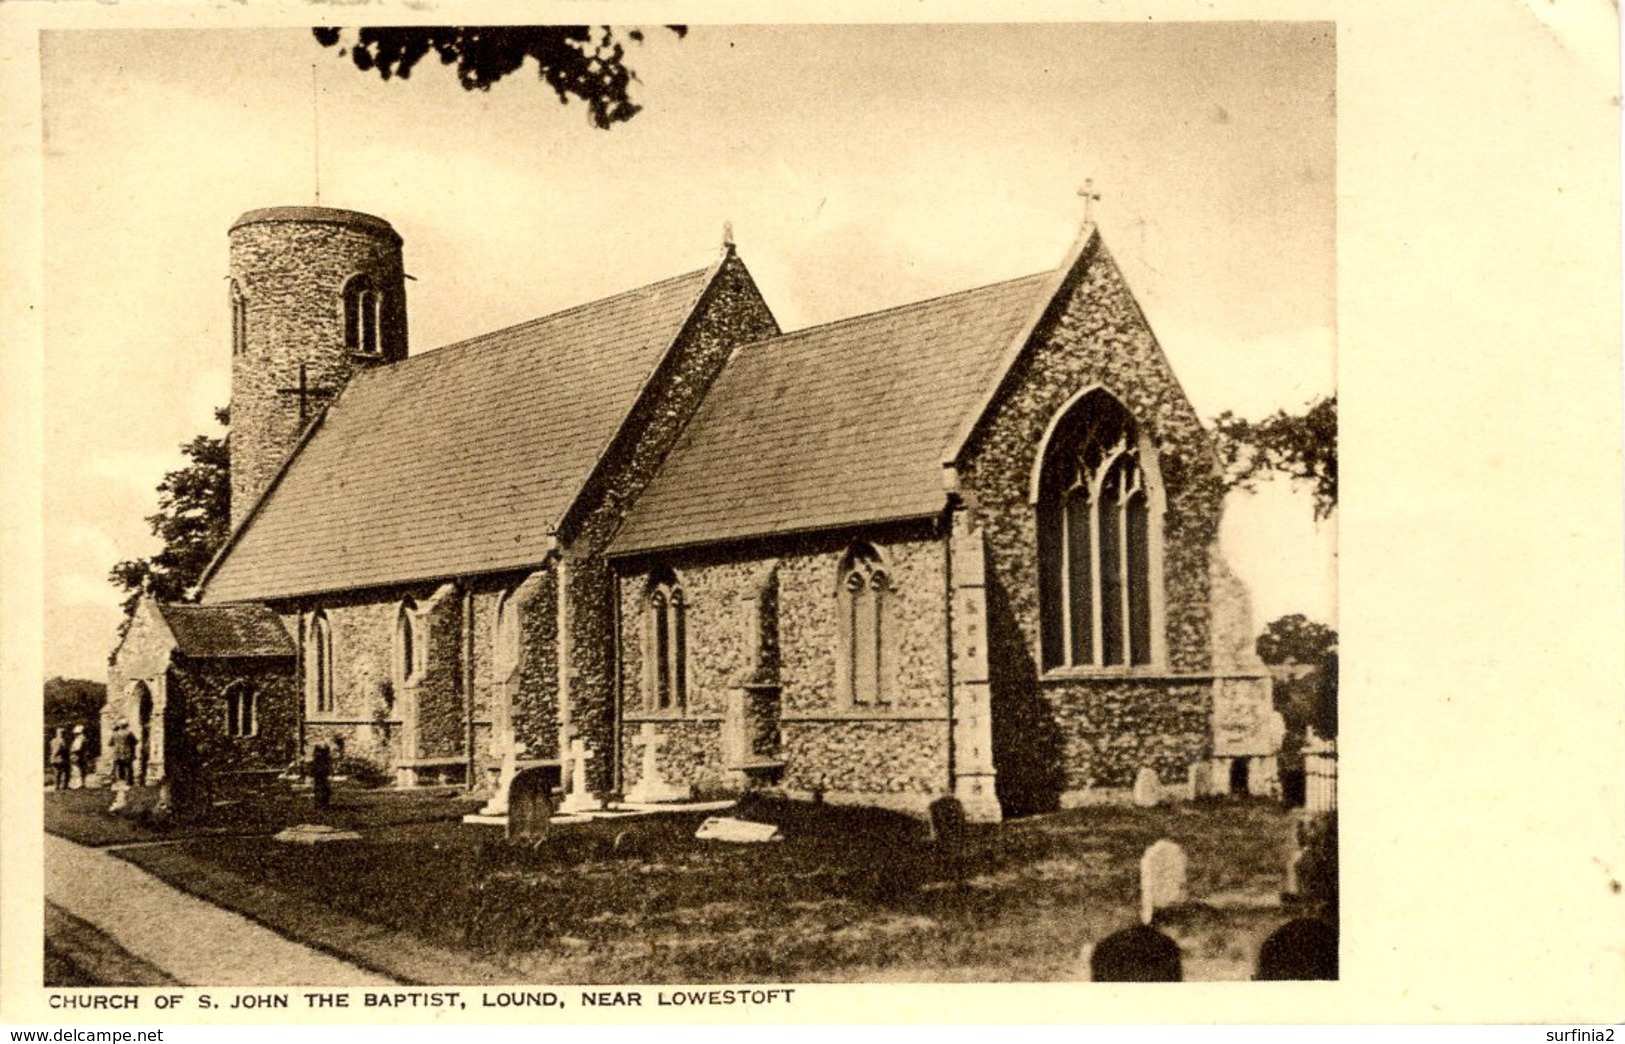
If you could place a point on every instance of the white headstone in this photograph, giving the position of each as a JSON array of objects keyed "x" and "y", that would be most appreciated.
[
  {"x": 651, "y": 785},
  {"x": 1147, "y": 788},
  {"x": 579, "y": 799},
  {"x": 511, "y": 749},
  {"x": 1163, "y": 871}
]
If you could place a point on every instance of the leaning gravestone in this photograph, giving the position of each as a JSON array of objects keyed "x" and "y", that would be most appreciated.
[
  {"x": 1147, "y": 788},
  {"x": 530, "y": 806},
  {"x": 1137, "y": 954},
  {"x": 1302, "y": 949},
  {"x": 1162, "y": 878}
]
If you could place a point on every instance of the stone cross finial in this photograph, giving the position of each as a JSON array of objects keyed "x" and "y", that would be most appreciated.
[
  {"x": 1090, "y": 198},
  {"x": 727, "y": 235}
]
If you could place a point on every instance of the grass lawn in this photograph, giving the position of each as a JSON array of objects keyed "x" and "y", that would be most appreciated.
[
  {"x": 81, "y": 815},
  {"x": 849, "y": 895}
]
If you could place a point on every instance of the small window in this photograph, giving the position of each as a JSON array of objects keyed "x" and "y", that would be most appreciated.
[
  {"x": 319, "y": 664},
  {"x": 865, "y": 607},
  {"x": 239, "y": 320},
  {"x": 505, "y": 644},
  {"x": 363, "y": 316},
  {"x": 409, "y": 650},
  {"x": 665, "y": 643},
  {"x": 242, "y": 710}
]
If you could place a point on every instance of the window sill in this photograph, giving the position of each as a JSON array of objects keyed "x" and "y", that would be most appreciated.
[
  {"x": 1144, "y": 672},
  {"x": 868, "y": 714},
  {"x": 668, "y": 715}
]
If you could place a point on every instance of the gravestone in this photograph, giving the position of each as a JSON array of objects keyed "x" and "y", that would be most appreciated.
[
  {"x": 1137, "y": 954},
  {"x": 1301, "y": 949},
  {"x": 948, "y": 824},
  {"x": 1200, "y": 779},
  {"x": 740, "y": 831},
  {"x": 1162, "y": 878},
  {"x": 1147, "y": 788},
  {"x": 314, "y": 834},
  {"x": 530, "y": 806},
  {"x": 321, "y": 775}
]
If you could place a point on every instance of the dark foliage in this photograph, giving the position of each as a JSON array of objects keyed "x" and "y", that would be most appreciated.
[
  {"x": 1303, "y": 448},
  {"x": 576, "y": 61},
  {"x": 193, "y": 520},
  {"x": 73, "y": 701},
  {"x": 1318, "y": 869},
  {"x": 1296, "y": 639}
]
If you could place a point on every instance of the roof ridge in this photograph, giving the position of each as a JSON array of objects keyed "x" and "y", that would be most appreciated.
[
  {"x": 818, "y": 327},
  {"x": 523, "y": 324}
]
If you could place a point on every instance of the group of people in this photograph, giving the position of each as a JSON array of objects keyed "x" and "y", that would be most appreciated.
[{"x": 65, "y": 755}]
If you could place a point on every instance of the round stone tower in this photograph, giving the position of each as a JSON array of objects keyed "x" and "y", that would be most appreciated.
[{"x": 316, "y": 294}]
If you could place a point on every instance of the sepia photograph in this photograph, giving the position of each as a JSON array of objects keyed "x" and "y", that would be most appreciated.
[
  {"x": 770, "y": 516},
  {"x": 558, "y": 504}
]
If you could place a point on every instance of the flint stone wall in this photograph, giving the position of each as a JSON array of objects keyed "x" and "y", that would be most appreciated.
[
  {"x": 1063, "y": 731},
  {"x": 200, "y": 712},
  {"x": 291, "y": 276},
  {"x": 825, "y": 744},
  {"x": 732, "y": 312}
]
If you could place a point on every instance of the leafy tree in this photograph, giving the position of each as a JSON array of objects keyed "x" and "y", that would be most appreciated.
[
  {"x": 576, "y": 61},
  {"x": 193, "y": 520},
  {"x": 1301, "y": 447},
  {"x": 1310, "y": 699},
  {"x": 1296, "y": 639}
]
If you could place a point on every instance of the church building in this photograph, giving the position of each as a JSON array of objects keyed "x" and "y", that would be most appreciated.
[{"x": 965, "y": 546}]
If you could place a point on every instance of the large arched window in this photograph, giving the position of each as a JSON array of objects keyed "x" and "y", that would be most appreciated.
[
  {"x": 665, "y": 643},
  {"x": 319, "y": 663},
  {"x": 1098, "y": 530},
  {"x": 409, "y": 653},
  {"x": 242, "y": 710},
  {"x": 363, "y": 316},
  {"x": 865, "y": 658}
]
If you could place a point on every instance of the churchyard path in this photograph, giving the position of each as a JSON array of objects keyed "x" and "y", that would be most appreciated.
[{"x": 192, "y": 941}]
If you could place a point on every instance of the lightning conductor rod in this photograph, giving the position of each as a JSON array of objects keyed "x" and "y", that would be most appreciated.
[{"x": 315, "y": 134}]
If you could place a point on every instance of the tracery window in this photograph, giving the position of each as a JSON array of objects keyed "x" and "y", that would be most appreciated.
[
  {"x": 865, "y": 608},
  {"x": 363, "y": 316},
  {"x": 242, "y": 710},
  {"x": 319, "y": 663},
  {"x": 1097, "y": 535},
  {"x": 665, "y": 643}
]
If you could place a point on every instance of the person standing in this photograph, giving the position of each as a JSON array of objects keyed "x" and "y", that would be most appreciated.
[
  {"x": 59, "y": 760},
  {"x": 126, "y": 752},
  {"x": 79, "y": 755}
]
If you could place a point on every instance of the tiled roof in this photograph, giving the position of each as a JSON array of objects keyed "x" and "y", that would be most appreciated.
[
  {"x": 834, "y": 425},
  {"x": 226, "y": 630},
  {"x": 456, "y": 461}
]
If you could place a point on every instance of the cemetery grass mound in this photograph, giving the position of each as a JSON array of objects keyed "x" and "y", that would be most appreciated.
[{"x": 848, "y": 895}]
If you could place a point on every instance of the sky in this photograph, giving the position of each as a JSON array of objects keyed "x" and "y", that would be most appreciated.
[{"x": 860, "y": 166}]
